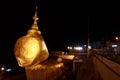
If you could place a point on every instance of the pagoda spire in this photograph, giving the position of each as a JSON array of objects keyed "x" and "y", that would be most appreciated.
[{"x": 35, "y": 18}]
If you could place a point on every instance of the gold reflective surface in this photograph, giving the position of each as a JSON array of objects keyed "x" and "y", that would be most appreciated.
[{"x": 31, "y": 49}]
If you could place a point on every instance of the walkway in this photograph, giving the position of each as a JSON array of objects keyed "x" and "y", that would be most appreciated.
[{"x": 87, "y": 71}]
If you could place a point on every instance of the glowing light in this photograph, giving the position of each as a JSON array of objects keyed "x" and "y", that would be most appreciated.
[
  {"x": 116, "y": 38},
  {"x": 89, "y": 47},
  {"x": 114, "y": 46},
  {"x": 78, "y": 48},
  {"x": 8, "y": 70},
  {"x": 85, "y": 45},
  {"x": 2, "y": 68},
  {"x": 69, "y": 47}
]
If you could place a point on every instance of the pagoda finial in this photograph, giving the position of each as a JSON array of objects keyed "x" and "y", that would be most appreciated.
[{"x": 35, "y": 17}]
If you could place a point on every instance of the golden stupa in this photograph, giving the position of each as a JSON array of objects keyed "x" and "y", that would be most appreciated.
[{"x": 31, "y": 49}]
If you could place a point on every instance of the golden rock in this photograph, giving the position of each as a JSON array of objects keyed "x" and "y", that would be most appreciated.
[{"x": 31, "y": 49}]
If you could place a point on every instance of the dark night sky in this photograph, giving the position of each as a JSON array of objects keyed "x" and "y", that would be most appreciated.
[{"x": 60, "y": 22}]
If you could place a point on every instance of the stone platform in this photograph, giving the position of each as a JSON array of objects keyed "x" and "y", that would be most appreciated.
[{"x": 50, "y": 69}]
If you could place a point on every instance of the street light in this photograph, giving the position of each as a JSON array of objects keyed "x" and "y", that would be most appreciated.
[{"x": 117, "y": 38}]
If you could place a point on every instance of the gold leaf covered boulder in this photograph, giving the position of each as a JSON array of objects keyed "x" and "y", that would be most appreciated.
[{"x": 31, "y": 49}]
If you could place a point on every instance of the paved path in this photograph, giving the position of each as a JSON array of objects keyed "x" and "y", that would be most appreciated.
[{"x": 87, "y": 71}]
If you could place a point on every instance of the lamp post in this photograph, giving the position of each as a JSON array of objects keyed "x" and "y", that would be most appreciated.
[
  {"x": 88, "y": 52},
  {"x": 117, "y": 42}
]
